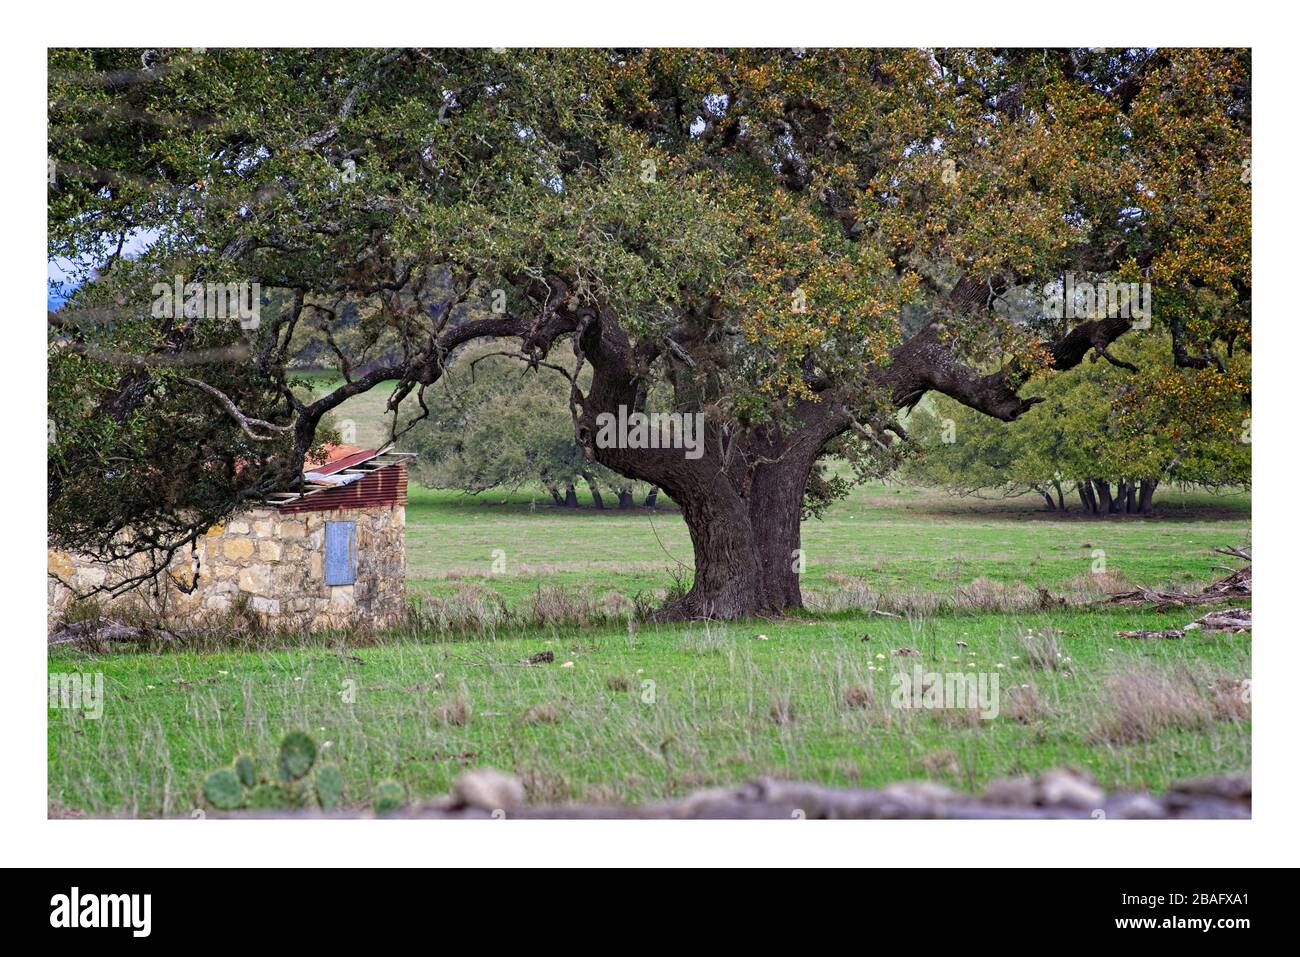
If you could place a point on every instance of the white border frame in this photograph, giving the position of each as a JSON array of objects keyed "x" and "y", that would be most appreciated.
[{"x": 31, "y": 839}]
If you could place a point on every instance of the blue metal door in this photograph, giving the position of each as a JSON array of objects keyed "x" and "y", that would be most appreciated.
[{"x": 340, "y": 553}]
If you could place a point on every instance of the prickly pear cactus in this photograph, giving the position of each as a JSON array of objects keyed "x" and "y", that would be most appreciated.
[
  {"x": 329, "y": 786},
  {"x": 246, "y": 771},
  {"x": 297, "y": 755},
  {"x": 268, "y": 797},
  {"x": 389, "y": 797},
  {"x": 221, "y": 788},
  {"x": 240, "y": 787}
]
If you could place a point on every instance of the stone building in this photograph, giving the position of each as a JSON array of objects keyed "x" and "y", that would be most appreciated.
[{"x": 329, "y": 555}]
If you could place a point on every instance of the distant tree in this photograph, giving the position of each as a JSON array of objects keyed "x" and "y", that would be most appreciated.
[
  {"x": 1109, "y": 433},
  {"x": 494, "y": 422}
]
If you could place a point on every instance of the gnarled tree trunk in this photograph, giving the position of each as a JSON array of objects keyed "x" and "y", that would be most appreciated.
[
  {"x": 1087, "y": 496},
  {"x": 595, "y": 490},
  {"x": 741, "y": 489},
  {"x": 746, "y": 543},
  {"x": 740, "y": 492},
  {"x": 1147, "y": 497},
  {"x": 1083, "y": 496},
  {"x": 1105, "y": 504}
]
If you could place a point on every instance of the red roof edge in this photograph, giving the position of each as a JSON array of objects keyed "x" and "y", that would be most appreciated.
[{"x": 338, "y": 458}]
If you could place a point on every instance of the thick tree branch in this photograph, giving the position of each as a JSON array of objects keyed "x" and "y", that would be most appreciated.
[{"x": 248, "y": 424}]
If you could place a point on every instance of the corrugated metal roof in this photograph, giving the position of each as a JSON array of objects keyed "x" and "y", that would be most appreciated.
[
  {"x": 386, "y": 485},
  {"x": 349, "y": 477},
  {"x": 338, "y": 458}
]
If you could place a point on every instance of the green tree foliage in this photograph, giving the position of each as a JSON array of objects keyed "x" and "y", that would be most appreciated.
[
  {"x": 795, "y": 244},
  {"x": 1097, "y": 424},
  {"x": 496, "y": 422}
]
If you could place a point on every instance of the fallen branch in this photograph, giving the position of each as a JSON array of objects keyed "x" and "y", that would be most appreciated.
[
  {"x": 1235, "y": 620},
  {"x": 1242, "y": 553},
  {"x": 1169, "y": 634},
  {"x": 105, "y": 630},
  {"x": 1234, "y": 587}
]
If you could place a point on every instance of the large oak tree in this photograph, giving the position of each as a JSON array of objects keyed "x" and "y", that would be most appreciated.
[{"x": 794, "y": 243}]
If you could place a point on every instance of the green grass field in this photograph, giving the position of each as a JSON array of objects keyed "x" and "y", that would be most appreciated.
[
  {"x": 660, "y": 712},
  {"x": 897, "y": 537},
  {"x": 640, "y": 712},
  {"x": 652, "y": 712}
]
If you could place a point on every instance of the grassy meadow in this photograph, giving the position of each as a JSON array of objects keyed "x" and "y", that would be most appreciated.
[
  {"x": 657, "y": 712},
  {"x": 897, "y": 536},
  {"x": 633, "y": 711}
]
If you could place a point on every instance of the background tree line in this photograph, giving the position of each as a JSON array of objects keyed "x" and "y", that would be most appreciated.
[
  {"x": 497, "y": 423},
  {"x": 1107, "y": 434}
]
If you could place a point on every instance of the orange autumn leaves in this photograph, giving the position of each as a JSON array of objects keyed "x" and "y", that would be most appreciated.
[{"x": 816, "y": 304}]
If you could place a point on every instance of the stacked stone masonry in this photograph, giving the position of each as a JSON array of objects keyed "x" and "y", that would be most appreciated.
[{"x": 268, "y": 563}]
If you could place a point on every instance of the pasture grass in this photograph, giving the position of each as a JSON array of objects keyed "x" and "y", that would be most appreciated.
[
  {"x": 633, "y": 711},
  {"x": 897, "y": 537},
  {"x": 654, "y": 712}
]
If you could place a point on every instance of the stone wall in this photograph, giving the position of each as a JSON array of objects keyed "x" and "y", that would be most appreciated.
[
  {"x": 268, "y": 563},
  {"x": 1060, "y": 793}
]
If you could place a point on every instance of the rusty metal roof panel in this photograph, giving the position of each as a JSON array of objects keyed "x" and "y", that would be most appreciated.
[
  {"x": 344, "y": 477},
  {"x": 384, "y": 485},
  {"x": 347, "y": 460}
]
